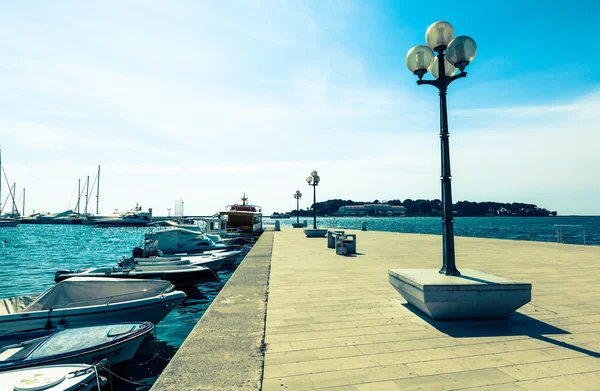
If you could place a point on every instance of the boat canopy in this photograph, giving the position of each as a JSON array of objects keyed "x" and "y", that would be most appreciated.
[
  {"x": 174, "y": 238},
  {"x": 79, "y": 291},
  {"x": 243, "y": 208}
]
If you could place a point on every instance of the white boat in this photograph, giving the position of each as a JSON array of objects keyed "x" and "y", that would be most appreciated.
[
  {"x": 130, "y": 218},
  {"x": 246, "y": 218},
  {"x": 117, "y": 343},
  {"x": 80, "y": 377},
  {"x": 83, "y": 301},
  {"x": 179, "y": 240},
  {"x": 212, "y": 262}
]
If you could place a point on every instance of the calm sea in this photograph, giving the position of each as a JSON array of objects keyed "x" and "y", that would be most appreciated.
[
  {"x": 30, "y": 255},
  {"x": 541, "y": 229}
]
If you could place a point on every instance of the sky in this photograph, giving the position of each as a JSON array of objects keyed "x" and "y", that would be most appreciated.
[{"x": 206, "y": 100}]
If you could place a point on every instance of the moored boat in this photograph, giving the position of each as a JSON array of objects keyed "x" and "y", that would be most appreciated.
[
  {"x": 67, "y": 377},
  {"x": 177, "y": 275},
  {"x": 179, "y": 240},
  {"x": 117, "y": 343},
  {"x": 6, "y": 222},
  {"x": 246, "y": 218},
  {"x": 213, "y": 262},
  {"x": 81, "y": 301}
]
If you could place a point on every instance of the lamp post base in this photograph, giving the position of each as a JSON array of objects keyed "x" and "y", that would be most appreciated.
[
  {"x": 472, "y": 295},
  {"x": 315, "y": 232}
]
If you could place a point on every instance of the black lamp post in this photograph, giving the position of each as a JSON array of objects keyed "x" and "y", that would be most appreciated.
[
  {"x": 313, "y": 180},
  {"x": 452, "y": 54},
  {"x": 297, "y": 196}
]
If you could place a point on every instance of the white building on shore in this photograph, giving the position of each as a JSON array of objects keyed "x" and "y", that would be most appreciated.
[{"x": 371, "y": 210}]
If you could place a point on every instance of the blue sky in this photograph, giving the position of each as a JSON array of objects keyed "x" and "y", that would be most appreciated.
[{"x": 205, "y": 100}]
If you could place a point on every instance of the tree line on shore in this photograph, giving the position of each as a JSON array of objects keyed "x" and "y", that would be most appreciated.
[{"x": 422, "y": 207}]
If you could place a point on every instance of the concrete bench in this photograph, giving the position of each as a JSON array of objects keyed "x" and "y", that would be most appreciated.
[
  {"x": 331, "y": 235},
  {"x": 345, "y": 244}
]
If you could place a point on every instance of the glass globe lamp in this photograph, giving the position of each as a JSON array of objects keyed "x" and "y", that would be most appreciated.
[
  {"x": 449, "y": 69},
  {"x": 461, "y": 51},
  {"x": 419, "y": 60},
  {"x": 439, "y": 35}
]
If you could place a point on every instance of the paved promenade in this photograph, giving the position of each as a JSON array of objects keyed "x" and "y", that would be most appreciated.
[{"x": 335, "y": 322}]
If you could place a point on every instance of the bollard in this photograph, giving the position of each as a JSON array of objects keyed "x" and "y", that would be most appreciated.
[
  {"x": 306, "y": 223},
  {"x": 363, "y": 226},
  {"x": 277, "y": 226}
]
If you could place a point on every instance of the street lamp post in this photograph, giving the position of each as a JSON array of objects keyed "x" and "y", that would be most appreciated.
[
  {"x": 313, "y": 180},
  {"x": 297, "y": 196},
  {"x": 452, "y": 54}
]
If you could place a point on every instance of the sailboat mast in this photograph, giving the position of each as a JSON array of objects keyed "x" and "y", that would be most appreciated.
[
  {"x": 0, "y": 181},
  {"x": 13, "y": 198},
  {"x": 87, "y": 193},
  {"x": 78, "y": 195},
  {"x": 23, "y": 201},
  {"x": 98, "y": 190}
]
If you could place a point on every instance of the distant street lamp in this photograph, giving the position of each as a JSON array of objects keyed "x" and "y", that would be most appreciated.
[
  {"x": 297, "y": 196},
  {"x": 169, "y": 210},
  {"x": 452, "y": 54},
  {"x": 314, "y": 178}
]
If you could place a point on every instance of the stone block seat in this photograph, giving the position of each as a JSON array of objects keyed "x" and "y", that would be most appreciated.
[{"x": 472, "y": 295}]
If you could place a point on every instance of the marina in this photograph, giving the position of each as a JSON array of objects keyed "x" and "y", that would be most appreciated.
[{"x": 490, "y": 286}]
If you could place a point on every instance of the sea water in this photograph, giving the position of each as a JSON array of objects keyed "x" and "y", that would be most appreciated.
[
  {"x": 541, "y": 229},
  {"x": 31, "y": 254}
]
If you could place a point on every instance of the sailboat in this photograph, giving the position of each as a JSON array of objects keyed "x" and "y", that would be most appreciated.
[{"x": 7, "y": 221}]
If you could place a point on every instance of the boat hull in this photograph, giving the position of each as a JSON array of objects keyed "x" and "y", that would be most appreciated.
[
  {"x": 177, "y": 278},
  {"x": 117, "y": 351},
  {"x": 152, "y": 310}
]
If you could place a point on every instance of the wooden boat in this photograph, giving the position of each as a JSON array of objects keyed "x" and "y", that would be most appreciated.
[
  {"x": 81, "y": 301},
  {"x": 117, "y": 343}
]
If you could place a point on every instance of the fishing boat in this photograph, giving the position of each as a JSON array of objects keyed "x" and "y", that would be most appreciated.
[
  {"x": 178, "y": 275},
  {"x": 247, "y": 218},
  {"x": 81, "y": 301},
  {"x": 117, "y": 343},
  {"x": 80, "y": 377}
]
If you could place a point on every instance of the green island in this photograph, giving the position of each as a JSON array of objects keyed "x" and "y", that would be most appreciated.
[{"x": 421, "y": 207}]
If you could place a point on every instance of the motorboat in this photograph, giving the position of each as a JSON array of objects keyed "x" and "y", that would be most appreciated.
[
  {"x": 66, "y": 377},
  {"x": 177, "y": 275},
  {"x": 247, "y": 218},
  {"x": 117, "y": 343},
  {"x": 131, "y": 218},
  {"x": 140, "y": 258},
  {"x": 213, "y": 262},
  {"x": 65, "y": 217},
  {"x": 179, "y": 240},
  {"x": 280, "y": 216},
  {"x": 84, "y": 301}
]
